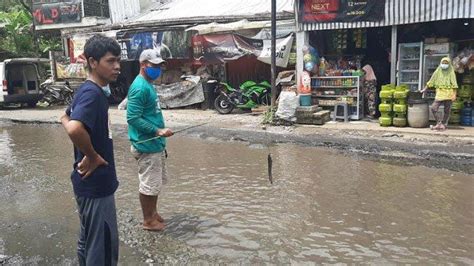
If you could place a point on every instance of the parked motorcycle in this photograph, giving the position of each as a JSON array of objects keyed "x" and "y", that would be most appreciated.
[
  {"x": 249, "y": 95},
  {"x": 55, "y": 94}
]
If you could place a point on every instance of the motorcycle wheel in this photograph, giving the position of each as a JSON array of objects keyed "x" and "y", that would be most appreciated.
[
  {"x": 222, "y": 105},
  {"x": 266, "y": 99},
  {"x": 68, "y": 99}
]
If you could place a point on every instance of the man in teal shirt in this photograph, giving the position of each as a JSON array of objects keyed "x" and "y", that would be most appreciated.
[{"x": 147, "y": 133}]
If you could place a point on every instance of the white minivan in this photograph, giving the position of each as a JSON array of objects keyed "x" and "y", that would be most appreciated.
[{"x": 20, "y": 80}]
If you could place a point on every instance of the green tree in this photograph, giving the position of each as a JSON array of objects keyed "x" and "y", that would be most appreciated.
[
  {"x": 5, "y": 5},
  {"x": 19, "y": 39}
]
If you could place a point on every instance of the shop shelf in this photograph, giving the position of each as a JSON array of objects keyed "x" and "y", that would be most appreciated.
[
  {"x": 347, "y": 83},
  {"x": 335, "y": 87},
  {"x": 336, "y": 77},
  {"x": 332, "y": 96}
]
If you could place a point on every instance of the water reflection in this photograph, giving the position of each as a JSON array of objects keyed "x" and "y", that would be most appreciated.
[
  {"x": 323, "y": 206},
  {"x": 5, "y": 148}
]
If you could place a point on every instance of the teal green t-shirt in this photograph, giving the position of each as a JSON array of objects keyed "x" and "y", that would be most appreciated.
[{"x": 144, "y": 116}]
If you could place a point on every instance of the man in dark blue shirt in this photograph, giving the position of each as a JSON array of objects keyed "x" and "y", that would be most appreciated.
[{"x": 93, "y": 177}]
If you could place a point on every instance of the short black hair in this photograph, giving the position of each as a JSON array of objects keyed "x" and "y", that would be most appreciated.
[{"x": 98, "y": 45}]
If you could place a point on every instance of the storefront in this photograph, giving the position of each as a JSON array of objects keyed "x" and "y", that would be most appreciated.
[
  {"x": 234, "y": 37},
  {"x": 423, "y": 45},
  {"x": 234, "y": 55},
  {"x": 384, "y": 34}
]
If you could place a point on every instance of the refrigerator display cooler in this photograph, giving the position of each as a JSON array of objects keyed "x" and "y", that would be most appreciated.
[{"x": 410, "y": 65}]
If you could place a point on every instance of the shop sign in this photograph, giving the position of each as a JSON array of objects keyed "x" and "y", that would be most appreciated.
[
  {"x": 73, "y": 66},
  {"x": 342, "y": 10},
  {"x": 76, "y": 47},
  {"x": 283, "y": 49},
  {"x": 67, "y": 70},
  {"x": 46, "y": 12},
  {"x": 225, "y": 47}
]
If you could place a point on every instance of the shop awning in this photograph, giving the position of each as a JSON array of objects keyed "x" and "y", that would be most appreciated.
[{"x": 399, "y": 12}]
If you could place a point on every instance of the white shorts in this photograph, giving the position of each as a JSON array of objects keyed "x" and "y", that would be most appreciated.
[{"x": 151, "y": 171}]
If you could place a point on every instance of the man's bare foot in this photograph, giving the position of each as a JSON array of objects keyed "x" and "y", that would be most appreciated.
[
  {"x": 159, "y": 218},
  {"x": 153, "y": 226},
  {"x": 442, "y": 127},
  {"x": 437, "y": 127}
]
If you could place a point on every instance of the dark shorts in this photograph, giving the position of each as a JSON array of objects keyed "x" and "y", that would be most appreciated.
[{"x": 98, "y": 239}]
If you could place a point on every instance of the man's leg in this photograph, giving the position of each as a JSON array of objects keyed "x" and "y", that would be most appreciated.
[
  {"x": 81, "y": 244},
  {"x": 99, "y": 242},
  {"x": 150, "y": 175},
  {"x": 164, "y": 178},
  {"x": 150, "y": 216}
]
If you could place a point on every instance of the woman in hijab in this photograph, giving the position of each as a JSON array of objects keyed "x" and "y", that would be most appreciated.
[
  {"x": 369, "y": 88},
  {"x": 444, "y": 81}
]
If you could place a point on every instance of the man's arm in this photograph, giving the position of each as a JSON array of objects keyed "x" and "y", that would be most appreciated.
[
  {"x": 81, "y": 139},
  {"x": 135, "y": 104},
  {"x": 78, "y": 135}
]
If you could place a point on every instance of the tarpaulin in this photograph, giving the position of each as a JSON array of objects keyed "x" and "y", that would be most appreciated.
[
  {"x": 181, "y": 94},
  {"x": 224, "y": 47}
]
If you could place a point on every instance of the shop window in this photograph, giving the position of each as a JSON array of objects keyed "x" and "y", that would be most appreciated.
[{"x": 96, "y": 8}]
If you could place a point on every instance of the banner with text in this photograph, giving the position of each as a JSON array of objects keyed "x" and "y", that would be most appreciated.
[
  {"x": 170, "y": 44},
  {"x": 47, "y": 12},
  {"x": 342, "y": 10}
]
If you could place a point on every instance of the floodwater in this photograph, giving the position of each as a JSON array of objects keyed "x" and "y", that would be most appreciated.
[{"x": 323, "y": 207}]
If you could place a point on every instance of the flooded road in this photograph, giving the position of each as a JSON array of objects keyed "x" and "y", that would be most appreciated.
[{"x": 324, "y": 206}]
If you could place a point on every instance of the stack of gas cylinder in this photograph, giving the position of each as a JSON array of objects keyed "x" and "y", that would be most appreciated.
[{"x": 393, "y": 107}]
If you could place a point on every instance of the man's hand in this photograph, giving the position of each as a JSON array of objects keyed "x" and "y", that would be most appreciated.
[
  {"x": 424, "y": 89},
  {"x": 64, "y": 119},
  {"x": 165, "y": 132},
  {"x": 88, "y": 165}
]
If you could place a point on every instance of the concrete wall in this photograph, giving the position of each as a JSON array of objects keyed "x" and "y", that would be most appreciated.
[{"x": 302, "y": 39}]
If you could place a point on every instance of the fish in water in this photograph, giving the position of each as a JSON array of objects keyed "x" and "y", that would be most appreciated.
[{"x": 270, "y": 163}]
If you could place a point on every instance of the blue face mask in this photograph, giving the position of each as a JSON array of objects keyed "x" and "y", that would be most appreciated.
[
  {"x": 153, "y": 72},
  {"x": 106, "y": 90}
]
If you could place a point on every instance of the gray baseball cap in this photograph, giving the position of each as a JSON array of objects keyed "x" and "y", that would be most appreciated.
[{"x": 152, "y": 56}]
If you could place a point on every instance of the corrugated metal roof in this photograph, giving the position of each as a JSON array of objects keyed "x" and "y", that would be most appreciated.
[
  {"x": 189, "y": 9},
  {"x": 121, "y": 10},
  {"x": 399, "y": 12}
]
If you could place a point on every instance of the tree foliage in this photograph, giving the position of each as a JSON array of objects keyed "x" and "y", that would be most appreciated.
[{"x": 18, "y": 38}]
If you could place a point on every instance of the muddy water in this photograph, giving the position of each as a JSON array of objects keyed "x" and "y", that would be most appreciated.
[{"x": 324, "y": 206}]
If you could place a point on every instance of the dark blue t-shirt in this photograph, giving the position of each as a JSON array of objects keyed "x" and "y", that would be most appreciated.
[{"x": 90, "y": 106}]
